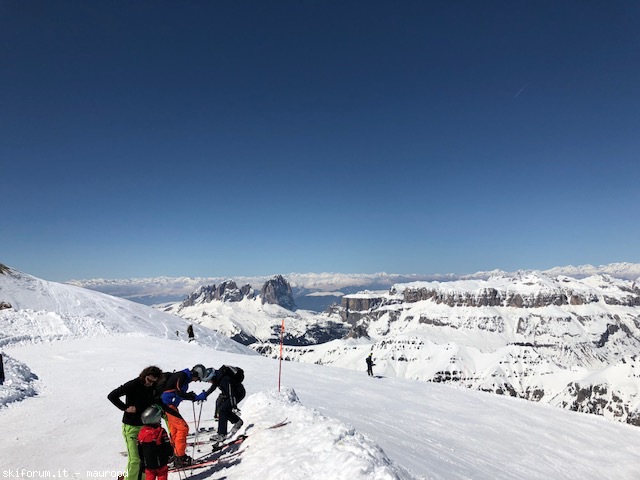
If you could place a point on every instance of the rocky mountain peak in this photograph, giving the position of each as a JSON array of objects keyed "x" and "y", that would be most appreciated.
[
  {"x": 277, "y": 291},
  {"x": 227, "y": 291}
]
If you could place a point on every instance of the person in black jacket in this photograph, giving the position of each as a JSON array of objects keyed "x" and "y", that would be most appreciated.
[
  {"x": 139, "y": 394},
  {"x": 190, "y": 333},
  {"x": 229, "y": 380},
  {"x": 370, "y": 365},
  {"x": 1, "y": 370}
]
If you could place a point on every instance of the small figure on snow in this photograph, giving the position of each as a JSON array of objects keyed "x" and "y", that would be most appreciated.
[
  {"x": 229, "y": 380},
  {"x": 154, "y": 446},
  {"x": 139, "y": 394},
  {"x": 1, "y": 370},
  {"x": 370, "y": 365},
  {"x": 190, "y": 332},
  {"x": 175, "y": 390}
]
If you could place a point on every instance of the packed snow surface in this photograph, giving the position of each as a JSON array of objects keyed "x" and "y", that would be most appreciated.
[{"x": 344, "y": 424}]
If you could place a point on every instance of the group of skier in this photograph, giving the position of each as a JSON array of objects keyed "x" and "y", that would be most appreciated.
[{"x": 154, "y": 395}]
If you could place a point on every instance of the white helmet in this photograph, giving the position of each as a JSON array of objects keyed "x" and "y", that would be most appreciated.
[
  {"x": 198, "y": 371},
  {"x": 209, "y": 374}
]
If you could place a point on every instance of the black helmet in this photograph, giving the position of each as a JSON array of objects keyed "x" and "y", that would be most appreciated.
[
  {"x": 152, "y": 415},
  {"x": 198, "y": 371}
]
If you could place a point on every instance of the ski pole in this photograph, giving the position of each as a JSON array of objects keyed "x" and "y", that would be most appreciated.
[{"x": 197, "y": 424}]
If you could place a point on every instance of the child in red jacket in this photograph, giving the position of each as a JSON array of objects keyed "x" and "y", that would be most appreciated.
[{"x": 154, "y": 445}]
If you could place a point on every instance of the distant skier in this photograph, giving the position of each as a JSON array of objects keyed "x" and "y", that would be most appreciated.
[
  {"x": 370, "y": 365},
  {"x": 154, "y": 446},
  {"x": 229, "y": 380},
  {"x": 139, "y": 395},
  {"x": 175, "y": 390},
  {"x": 190, "y": 332}
]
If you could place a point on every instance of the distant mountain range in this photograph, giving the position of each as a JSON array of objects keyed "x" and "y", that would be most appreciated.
[
  {"x": 315, "y": 291},
  {"x": 550, "y": 338}
]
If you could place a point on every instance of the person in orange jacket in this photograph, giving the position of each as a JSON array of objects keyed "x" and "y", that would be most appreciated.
[{"x": 175, "y": 390}]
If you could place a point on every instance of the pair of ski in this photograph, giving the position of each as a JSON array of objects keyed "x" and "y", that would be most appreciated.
[
  {"x": 208, "y": 441},
  {"x": 207, "y": 461}
]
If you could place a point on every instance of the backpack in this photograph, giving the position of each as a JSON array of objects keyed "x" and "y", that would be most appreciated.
[{"x": 236, "y": 374}]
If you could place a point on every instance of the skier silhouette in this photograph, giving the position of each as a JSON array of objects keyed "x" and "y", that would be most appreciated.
[{"x": 370, "y": 365}]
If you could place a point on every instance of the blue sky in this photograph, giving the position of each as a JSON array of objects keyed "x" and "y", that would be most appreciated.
[{"x": 231, "y": 138}]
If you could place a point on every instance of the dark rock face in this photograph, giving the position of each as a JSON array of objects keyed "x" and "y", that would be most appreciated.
[
  {"x": 277, "y": 291},
  {"x": 226, "y": 292},
  {"x": 355, "y": 308},
  {"x": 599, "y": 399},
  {"x": 490, "y": 297}
]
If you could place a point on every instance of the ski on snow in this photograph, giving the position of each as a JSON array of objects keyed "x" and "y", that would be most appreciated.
[
  {"x": 279, "y": 424},
  {"x": 206, "y": 460},
  {"x": 208, "y": 441}
]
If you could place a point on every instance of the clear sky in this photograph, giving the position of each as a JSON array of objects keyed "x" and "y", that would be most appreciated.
[{"x": 222, "y": 138}]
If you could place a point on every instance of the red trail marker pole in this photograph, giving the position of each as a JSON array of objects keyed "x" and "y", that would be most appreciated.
[{"x": 281, "y": 341}]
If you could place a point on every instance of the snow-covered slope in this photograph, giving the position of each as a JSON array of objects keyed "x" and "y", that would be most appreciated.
[
  {"x": 44, "y": 310},
  {"x": 343, "y": 424}
]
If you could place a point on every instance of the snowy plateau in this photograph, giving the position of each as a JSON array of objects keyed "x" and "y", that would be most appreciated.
[{"x": 531, "y": 335}]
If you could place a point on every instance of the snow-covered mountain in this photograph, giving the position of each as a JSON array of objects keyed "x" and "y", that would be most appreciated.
[
  {"x": 343, "y": 424},
  {"x": 567, "y": 342},
  {"x": 571, "y": 343},
  {"x": 250, "y": 317},
  {"x": 315, "y": 291},
  {"x": 42, "y": 310},
  {"x": 309, "y": 289}
]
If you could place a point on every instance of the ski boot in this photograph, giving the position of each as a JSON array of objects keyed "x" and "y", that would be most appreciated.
[
  {"x": 183, "y": 461},
  {"x": 236, "y": 427}
]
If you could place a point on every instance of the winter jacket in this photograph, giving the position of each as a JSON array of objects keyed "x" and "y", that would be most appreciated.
[
  {"x": 175, "y": 390},
  {"x": 137, "y": 395},
  {"x": 154, "y": 446},
  {"x": 229, "y": 388}
]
